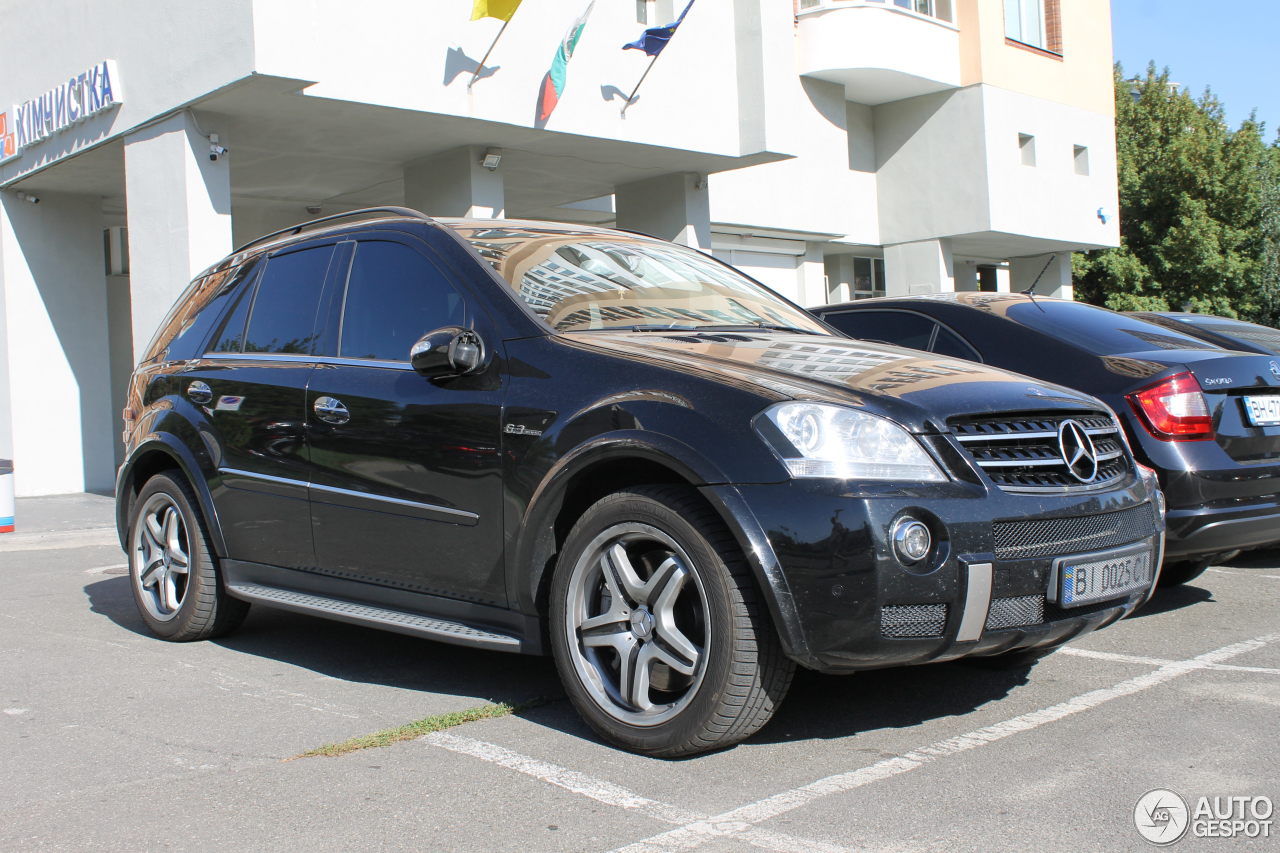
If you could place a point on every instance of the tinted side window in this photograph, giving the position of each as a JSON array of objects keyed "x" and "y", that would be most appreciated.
[
  {"x": 189, "y": 323},
  {"x": 283, "y": 317},
  {"x": 893, "y": 327},
  {"x": 394, "y": 296},
  {"x": 949, "y": 343}
]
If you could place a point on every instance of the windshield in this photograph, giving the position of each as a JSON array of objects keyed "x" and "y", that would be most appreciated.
[
  {"x": 587, "y": 280},
  {"x": 1098, "y": 330}
]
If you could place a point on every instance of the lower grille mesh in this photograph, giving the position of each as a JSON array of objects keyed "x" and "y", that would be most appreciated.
[
  {"x": 1053, "y": 537},
  {"x": 1015, "y": 612},
  {"x": 913, "y": 620}
]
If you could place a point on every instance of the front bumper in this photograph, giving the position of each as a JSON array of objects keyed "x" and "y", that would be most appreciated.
[{"x": 845, "y": 602}]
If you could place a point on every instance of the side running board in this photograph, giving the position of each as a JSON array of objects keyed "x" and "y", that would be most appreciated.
[{"x": 379, "y": 617}]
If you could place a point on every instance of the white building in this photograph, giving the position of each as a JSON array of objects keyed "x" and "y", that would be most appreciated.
[{"x": 831, "y": 148}]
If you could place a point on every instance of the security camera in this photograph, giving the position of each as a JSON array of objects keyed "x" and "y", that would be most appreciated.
[
  {"x": 28, "y": 197},
  {"x": 216, "y": 151}
]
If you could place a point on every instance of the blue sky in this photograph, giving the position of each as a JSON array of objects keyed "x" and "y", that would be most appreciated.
[{"x": 1229, "y": 47}]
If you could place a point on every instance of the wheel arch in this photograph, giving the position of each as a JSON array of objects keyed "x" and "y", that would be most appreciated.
[
  {"x": 155, "y": 454},
  {"x": 612, "y": 463}
]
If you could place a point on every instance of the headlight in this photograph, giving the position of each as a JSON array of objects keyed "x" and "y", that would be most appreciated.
[{"x": 822, "y": 440}]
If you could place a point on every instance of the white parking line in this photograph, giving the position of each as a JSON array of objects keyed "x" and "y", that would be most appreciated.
[
  {"x": 1146, "y": 661},
  {"x": 696, "y": 833},
  {"x": 615, "y": 795},
  {"x": 14, "y": 542}
]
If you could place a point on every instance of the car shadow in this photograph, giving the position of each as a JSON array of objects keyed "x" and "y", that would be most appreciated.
[
  {"x": 361, "y": 655},
  {"x": 826, "y": 707},
  {"x": 817, "y": 706},
  {"x": 1169, "y": 598}
]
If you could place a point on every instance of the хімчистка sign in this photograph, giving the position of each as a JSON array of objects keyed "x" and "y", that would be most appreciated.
[{"x": 86, "y": 94}]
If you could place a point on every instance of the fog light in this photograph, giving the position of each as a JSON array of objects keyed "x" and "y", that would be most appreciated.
[{"x": 911, "y": 540}]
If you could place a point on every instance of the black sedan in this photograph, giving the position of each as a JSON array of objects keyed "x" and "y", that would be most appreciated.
[
  {"x": 1206, "y": 419},
  {"x": 1223, "y": 331}
]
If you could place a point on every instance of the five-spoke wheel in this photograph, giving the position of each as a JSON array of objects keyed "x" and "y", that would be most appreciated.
[
  {"x": 159, "y": 553},
  {"x": 657, "y": 630},
  {"x": 171, "y": 565}
]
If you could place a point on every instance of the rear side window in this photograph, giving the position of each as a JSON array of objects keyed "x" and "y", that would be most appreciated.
[
  {"x": 394, "y": 297},
  {"x": 188, "y": 325},
  {"x": 890, "y": 327},
  {"x": 283, "y": 316}
]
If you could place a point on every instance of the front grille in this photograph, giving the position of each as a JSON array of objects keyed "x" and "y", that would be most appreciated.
[
  {"x": 902, "y": 621},
  {"x": 1055, "y": 537},
  {"x": 1015, "y": 612},
  {"x": 1023, "y": 454}
]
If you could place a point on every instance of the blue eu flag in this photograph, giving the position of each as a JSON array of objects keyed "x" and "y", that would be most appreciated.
[{"x": 654, "y": 39}]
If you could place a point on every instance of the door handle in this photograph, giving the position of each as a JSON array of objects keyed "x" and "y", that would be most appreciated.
[
  {"x": 331, "y": 411},
  {"x": 200, "y": 392}
]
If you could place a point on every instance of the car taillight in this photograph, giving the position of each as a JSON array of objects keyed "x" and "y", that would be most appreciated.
[{"x": 1174, "y": 409}]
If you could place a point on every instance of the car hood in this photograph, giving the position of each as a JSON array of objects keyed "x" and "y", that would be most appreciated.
[{"x": 919, "y": 390}]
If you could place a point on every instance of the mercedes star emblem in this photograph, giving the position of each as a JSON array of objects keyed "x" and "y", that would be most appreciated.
[{"x": 1078, "y": 451}]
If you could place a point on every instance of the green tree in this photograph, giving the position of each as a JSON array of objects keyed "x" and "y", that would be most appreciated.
[{"x": 1199, "y": 209}]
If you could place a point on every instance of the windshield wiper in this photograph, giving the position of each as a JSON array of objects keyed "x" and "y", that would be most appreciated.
[{"x": 755, "y": 327}]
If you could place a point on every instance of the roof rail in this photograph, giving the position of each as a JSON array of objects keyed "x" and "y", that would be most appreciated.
[{"x": 298, "y": 229}]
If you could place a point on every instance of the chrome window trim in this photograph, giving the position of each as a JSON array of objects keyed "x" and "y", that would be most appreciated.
[
  {"x": 349, "y": 493},
  {"x": 309, "y": 359}
]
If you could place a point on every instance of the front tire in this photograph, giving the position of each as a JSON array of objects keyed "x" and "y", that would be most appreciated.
[
  {"x": 172, "y": 570},
  {"x": 657, "y": 629}
]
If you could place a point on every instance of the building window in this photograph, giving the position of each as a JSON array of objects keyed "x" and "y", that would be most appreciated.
[
  {"x": 1035, "y": 23},
  {"x": 642, "y": 11},
  {"x": 1082, "y": 160},
  {"x": 940, "y": 9},
  {"x": 868, "y": 278},
  {"x": 1027, "y": 147}
]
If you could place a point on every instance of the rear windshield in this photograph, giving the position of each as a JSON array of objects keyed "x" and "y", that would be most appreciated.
[
  {"x": 1098, "y": 330},
  {"x": 586, "y": 281},
  {"x": 1263, "y": 336}
]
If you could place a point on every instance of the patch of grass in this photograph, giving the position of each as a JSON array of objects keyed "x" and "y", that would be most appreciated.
[{"x": 418, "y": 728}]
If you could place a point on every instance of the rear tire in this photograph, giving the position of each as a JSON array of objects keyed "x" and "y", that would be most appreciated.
[
  {"x": 658, "y": 632},
  {"x": 1183, "y": 571},
  {"x": 174, "y": 575}
]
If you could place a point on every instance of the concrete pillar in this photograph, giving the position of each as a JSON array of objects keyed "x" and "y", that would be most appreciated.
[
  {"x": 673, "y": 207},
  {"x": 1051, "y": 275},
  {"x": 922, "y": 267},
  {"x": 57, "y": 354},
  {"x": 966, "y": 275},
  {"x": 813, "y": 276},
  {"x": 179, "y": 213},
  {"x": 455, "y": 184}
]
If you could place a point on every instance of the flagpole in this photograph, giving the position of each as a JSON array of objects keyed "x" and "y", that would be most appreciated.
[
  {"x": 475, "y": 74},
  {"x": 632, "y": 96}
]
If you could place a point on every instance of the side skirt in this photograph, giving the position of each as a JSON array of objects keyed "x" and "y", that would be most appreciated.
[{"x": 432, "y": 617}]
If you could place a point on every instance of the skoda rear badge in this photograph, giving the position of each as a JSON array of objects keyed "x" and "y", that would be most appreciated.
[
  {"x": 1078, "y": 451},
  {"x": 1275, "y": 369}
]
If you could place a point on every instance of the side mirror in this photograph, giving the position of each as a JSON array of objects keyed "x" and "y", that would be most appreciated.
[{"x": 450, "y": 351}]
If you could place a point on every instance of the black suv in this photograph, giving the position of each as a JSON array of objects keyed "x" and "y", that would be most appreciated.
[{"x": 529, "y": 436}]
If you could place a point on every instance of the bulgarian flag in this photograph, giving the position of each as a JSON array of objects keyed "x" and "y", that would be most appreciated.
[
  {"x": 553, "y": 82},
  {"x": 500, "y": 9}
]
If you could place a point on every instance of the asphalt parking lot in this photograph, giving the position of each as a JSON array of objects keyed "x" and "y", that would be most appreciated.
[{"x": 113, "y": 740}]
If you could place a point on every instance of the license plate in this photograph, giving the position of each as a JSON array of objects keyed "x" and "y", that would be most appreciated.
[
  {"x": 1086, "y": 578},
  {"x": 1263, "y": 410}
]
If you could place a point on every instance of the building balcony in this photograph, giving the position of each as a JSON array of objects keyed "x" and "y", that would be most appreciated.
[{"x": 879, "y": 50}]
